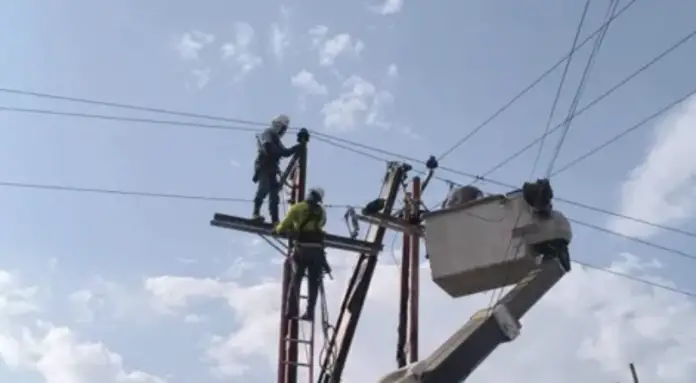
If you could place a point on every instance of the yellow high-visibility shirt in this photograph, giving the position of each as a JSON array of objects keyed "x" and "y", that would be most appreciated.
[{"x": 302, "y": 218}]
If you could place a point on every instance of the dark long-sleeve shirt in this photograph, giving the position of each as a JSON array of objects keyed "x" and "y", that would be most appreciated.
[{"x": 271, "y": 149}]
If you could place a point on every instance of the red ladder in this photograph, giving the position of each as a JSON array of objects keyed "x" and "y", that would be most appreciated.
[{"x": 305, "y": 344}]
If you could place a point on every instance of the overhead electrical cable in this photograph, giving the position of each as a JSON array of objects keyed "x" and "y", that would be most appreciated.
[
  {"x": 334, "y": 141},
  {"x": 127, "y": 119},
  {"x": 557, "y": 97},
  {"x": 625, "y": 132},
  {"x": 497, "y": 294},
  {"x": 673, "y": 289},
  {"x": 230, "y": 199},
  {"x": 530, "y": 86},
  {"x": 581, "y": 87},
  {"x": 592, "y": 103}
]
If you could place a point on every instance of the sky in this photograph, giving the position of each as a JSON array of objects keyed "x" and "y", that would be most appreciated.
[{"x": 120, "y": 288}]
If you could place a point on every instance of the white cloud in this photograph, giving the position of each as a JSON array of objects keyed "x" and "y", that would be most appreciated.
[
  {"x": 240, "y": 50},
  {"x": 393, "y": 71},
  {"x": 201, "y": 77},
  {"x": 60, "y": 357},
  {"x": 338, "y": 45},
  {"x": 55, "y": 353},
  {"x": 578, "y": 333},
  {"x": 662, "y": 189},
  {"x": 307, "y": 83},
  {"x": 318, "y": 34},
  {"x": 255, "y": 308},
  {"x": 190, "y": 44},
  {"x": 280, "y": 34},
  {"x": 15, "y": 299},
  {"x": 360, "y": 102},
  {"x": 389, "y": 7}
]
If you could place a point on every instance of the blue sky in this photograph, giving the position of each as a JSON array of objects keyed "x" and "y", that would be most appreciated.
[{"x": 410, "y": 78}]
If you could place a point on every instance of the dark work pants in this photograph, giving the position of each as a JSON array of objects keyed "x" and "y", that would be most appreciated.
[
  {"x": 308, "y": 261},
  {"x": 267, "y": 185}
]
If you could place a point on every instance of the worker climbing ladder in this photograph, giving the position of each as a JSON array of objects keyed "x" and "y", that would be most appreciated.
[
  {"x": 300, "y": 332},
  {"x": 295, "y": 333}
]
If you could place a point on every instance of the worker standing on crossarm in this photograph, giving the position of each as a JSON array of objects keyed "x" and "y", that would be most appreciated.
[
  {"x": 267, "y": 166},
  {"x": 305, "y": 223}
]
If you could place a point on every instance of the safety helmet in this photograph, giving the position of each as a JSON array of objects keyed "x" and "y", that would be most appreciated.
[
  {"x": 317, "y": 194},
  {"x": 280, "y": 124}
]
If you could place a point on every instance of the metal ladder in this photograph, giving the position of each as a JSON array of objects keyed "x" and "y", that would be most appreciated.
[{"x": 305, "y": 343}]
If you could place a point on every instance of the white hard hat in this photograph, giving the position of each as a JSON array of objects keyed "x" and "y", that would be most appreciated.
[
  {"x": 319, "y": 192},
  {"x": 281, "y": 120}
]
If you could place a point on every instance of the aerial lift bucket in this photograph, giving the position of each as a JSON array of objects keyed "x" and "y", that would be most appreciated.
[{"x": 489, "y": 243}]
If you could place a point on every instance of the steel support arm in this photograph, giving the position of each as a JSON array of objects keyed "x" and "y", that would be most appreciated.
[
  {"x": 336, "y": 354},
  {"x": 330, "y": 240},
  {"x": 459, "y": 356}
]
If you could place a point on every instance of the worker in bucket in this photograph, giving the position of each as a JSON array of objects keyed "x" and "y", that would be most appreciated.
[
  {"x": 305, "y": 223},
  {"x": 462, "y": 194},
  {"x": 267, "y": 167}
]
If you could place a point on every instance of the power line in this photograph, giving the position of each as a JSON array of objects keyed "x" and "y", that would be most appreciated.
[
  {"x": 638, "y": 240},
  {"x": 530, "y": 86},
  {"x": 594, "y": 102},
  {"x": 127, "y": 119},
  {"x": 128, "y": 106},
  {"x": 560, "y": 86},
  {"x": 618, "y": 215},
  {"x": 334, "y": 141},
  {"x": 625, "y": 132},
  {"x": 229, "y": 199},
  {"x": 634, "y": 239},
  {"x": 639, "y": 280},
  {"x": 121, "y": 192},
  {"x": 581, "y": 87}
]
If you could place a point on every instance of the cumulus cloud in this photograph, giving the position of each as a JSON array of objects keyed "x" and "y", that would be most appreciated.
[
  {"x": 201, "y": 77},
  {"x": 662, "y": 189},
  {"x": 360, "y": 102},
  {"x": 591, "y": 326},
  {"x": 307, "y": 83},
  {"x": 255, "y": 306},
  {"x": 280, "y": 34},
  {"x": 240, "y": 52},
  {"x": 339, "y": 45},
  {"x": 190, "y": 44},
  {"x": 317, "y": 35},
  {"x": 60, "y": 357},
  {"x": 56, "y": 353},
  {"x": 389, "y": 7}
]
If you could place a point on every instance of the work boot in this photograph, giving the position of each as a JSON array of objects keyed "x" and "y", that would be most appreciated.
[
  {"x": 274, "y": 215},
  {"x": 256, "y": 215}
]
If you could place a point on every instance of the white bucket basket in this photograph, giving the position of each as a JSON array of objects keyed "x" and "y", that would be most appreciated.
[{"x": 488, "y": 243}]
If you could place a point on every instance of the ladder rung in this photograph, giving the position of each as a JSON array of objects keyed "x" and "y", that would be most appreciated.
[
  {"x": 300, "y": 364},
  {"x": 298, "y": 340},
  {"x": 302, "y": 319}
]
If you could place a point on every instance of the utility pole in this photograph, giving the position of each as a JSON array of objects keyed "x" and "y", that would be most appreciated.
[{"x": 634, "y": 374}]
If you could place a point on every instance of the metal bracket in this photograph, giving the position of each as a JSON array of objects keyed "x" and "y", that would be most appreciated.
[
  {"x": 330, "y": 240},
  {"x": 352, "y": 222},
  {"x": 392, "y": 223}
]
